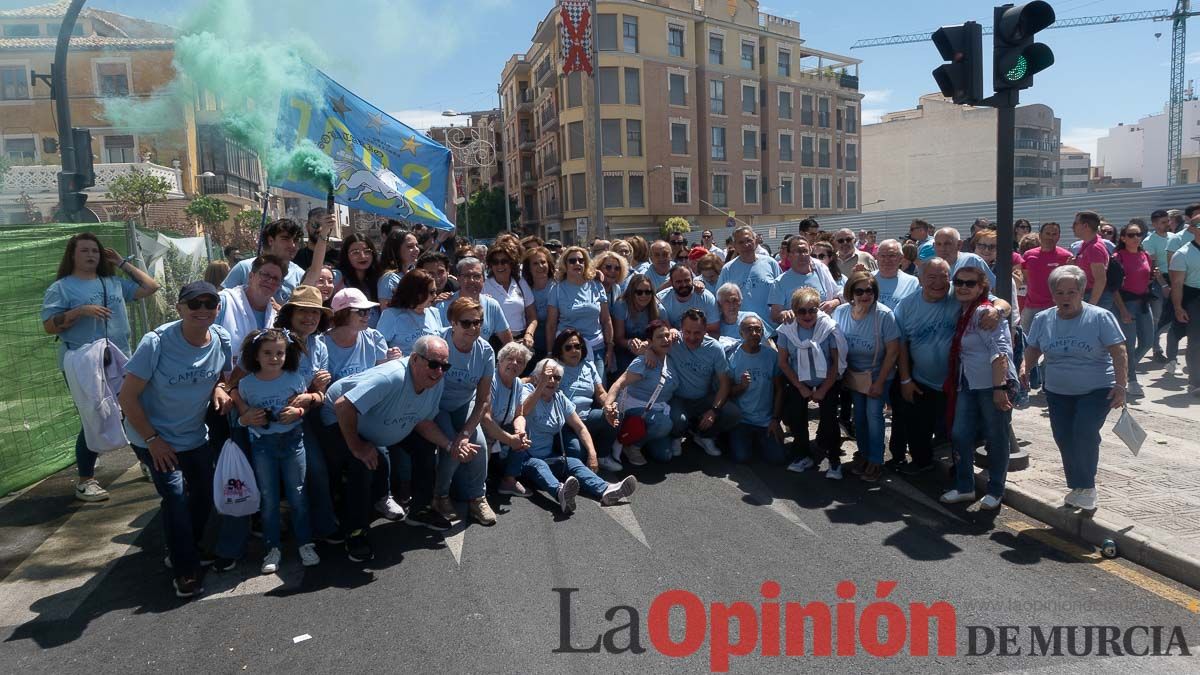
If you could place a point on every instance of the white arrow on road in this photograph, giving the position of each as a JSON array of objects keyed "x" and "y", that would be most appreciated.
[{"x": 623, "y": 514}]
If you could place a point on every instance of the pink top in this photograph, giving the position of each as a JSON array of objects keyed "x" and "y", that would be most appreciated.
[
  {"x": 1038, "y": 266},
  {"x": 1091, "y": 254},
  {"x": 1137, "y": 271}
]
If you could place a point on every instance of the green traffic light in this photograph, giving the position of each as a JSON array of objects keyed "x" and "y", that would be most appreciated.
[{"x": 1017, "y": 72}]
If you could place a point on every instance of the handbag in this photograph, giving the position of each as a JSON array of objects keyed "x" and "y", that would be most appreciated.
[
  {"x": 235, "y": 491},
  {"x": 860, "y": 380},
  {"x": 633, "y": 427},
  {"x": 1128, "y": 430}
]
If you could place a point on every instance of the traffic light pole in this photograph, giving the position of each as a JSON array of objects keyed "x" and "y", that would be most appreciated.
[
  {"x": 1006, "y": 117},
  {"x": 62, "y": 104}
]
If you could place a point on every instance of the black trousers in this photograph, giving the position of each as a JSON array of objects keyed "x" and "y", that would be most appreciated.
[
  {"x": 829, "y": 436},
  {"x": 918, "y": 422}
]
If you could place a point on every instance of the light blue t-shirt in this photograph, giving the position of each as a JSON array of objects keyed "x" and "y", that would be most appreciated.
[
  {"x": 971, "y": 260},
  {"x": 1187, "y": 260},
  {"x": 757, "y": 402},
  {"x": 241, "y": 273},
  {"x": 892, "y": 291},
  {"x": 402, "y": 327},
  {"x": 386, "y": 287},
  {"x": 1076, "y": 350},
  {"x": 656, "y": 279},
  {"x": 644, "y": 388},
  {"x": 541, "y": 300},
  {"x": 388, "y": 406},
  {"x": 701, "y": 300},
  {"x": 756, "y": 281},
  {"x": 579, "y": 308},
  {"x": 506, "y": 401},
  {"x": 179, "y": 379},
  {"x": 466, "y": 370},
  {"x": 734, "y": 330},
  {"x": 579, "y": 384},
  {"x": 794, "y": 354},
  {"x": 697, "y": 368},
  {"x": 1157, "y": 246},
  {"x": 70, "y": 292},
  {"x": 635, "y": 326},
  {"x": 980, "y": 348},
  {"x": 545, "y": 421},
  {"x": 368, "y": 349},
  {"x": 791, "y": 281},
  {"x": 1179, "y": 240},
  {"x": 640, "y": 268},
  {"x": 493, "y": 315},
  {"x": 928, "y": 328},
  {"x": 861, "y": 342},
  {"x": 314, "y": 358},
  {"x": 272, "y": 396}
]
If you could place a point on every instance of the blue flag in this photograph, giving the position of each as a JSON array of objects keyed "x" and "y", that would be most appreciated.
[{"x": 382, "y": 165}]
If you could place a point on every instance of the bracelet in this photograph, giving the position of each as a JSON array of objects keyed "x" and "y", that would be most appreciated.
[
  {"x": 151, "y": 439},
  {"x": 908, "y": 381}
]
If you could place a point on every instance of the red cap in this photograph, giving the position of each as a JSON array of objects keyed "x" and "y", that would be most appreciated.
[{"x": 697, "y": 253}]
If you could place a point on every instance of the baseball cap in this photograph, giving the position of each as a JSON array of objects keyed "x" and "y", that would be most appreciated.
[
  {"x": 697, "y": 253},
  {"x": 351, "y": 298},
  {"x": 197, "y": 289}
]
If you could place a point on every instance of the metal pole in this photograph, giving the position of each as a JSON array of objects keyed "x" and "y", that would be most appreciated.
[
  {"x": 135, "y": 249},
  {"x": 599, "y": 226},
  {"x": 1006, "y": 115},
  {"x": 503, "y": 163},
  {"x": 62, "y": 105}
]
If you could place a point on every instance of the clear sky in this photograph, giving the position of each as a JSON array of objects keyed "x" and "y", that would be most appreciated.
[{"x": 419, "y": 57}]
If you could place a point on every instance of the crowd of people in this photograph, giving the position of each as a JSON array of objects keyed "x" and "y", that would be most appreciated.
[{"x": 401, "y": 379}]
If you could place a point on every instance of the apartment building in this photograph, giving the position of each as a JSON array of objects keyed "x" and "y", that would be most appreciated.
[
  {"x": 1074, "y": 171},
  {"x": 707, "y": 108}
]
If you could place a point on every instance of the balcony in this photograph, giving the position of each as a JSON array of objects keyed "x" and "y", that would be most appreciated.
[
  {"x": 552, "y": 209},
  {"x": 524, "y": 101},
  {"x": 847, "y": 81},
  {"x": 549, "y": 119},
  {"x": 1029, "y": 172},
  {"x": 525, "y": 142},
  {"x": 528, "y": 180},
  {"x": 551, "y": 165},
  {"x": 1032, "y": 144},
  {"x": 229, "y": 185},
  {"x": 546, "y": 74},
  {"x": 43, "y": 178}
]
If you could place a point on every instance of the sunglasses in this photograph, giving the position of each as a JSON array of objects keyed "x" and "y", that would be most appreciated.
[
  {"x": 505, "y": 261},
  {"x": 553, "y": 378},
  {"x": 471, "y": 323},
  {"x": 362, "y": 312},
  {"x": 612, "y": 268},
  {"x": 573, "y": 348},
  {"x": 864, "y": 290},
  {"x": 1133, "y": 235},
  {"x": 436, "y": 365},
  {"x": 575, "y": 261},
  {"x": 677, "y": 242},
  {"x": 197, "y": 303},
  {"x": 820, "y": 256},
  {"x": 966, "y": 283},
  {"x": 807, "y": 311},
  {"x": 644, "y": 291},
  {"x": 845, "y": 240}
]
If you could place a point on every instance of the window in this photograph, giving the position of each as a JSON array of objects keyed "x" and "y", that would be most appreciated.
[
  {"x": 681, "y": 188},
  {"x": 720, "y": 190},
  {"x": 838, "y": 154},
  {"x": 20, "y": 150},
  {"x": 575, "y": 140},
  {"x": 851, "y": 120},
  {"x": 679, "y": 139},
  {"x": 749, "y": 144},
  {"x": 633, "y": 137},
  {"x": 112, "y": 79},
  {"x": 785, "y": 191},
  {"x": 750, "y": 185},
  {"x": 610, "y": 88},
  {"x": 629, "y": 34},
  {"x": 677, "y": 86},
  {"x": 675, "y": 41},
  {"x": 716, "y": 50},
  {"x": 19, "y": 30},
  {"x": 578, "y": 191},
  {"x": 823, "y": 153},
  {"x": 749, "y": 99},
  {"x": 785, "y": 105},
  {"x": 119, "y": 150},
  {"x": 851, "y": 195},
  {"x": 716, "y": 97},
  {"x": 806, "y": 185},
  {"x": 606, "y": 29},
  {"x": 14, "y": 83},
  {"x": 806, "y": 150},
  {"x": 718, "y": 143},
  {"x": 823, "y": 113},
  {"x": 633, "y": 86},
  {"x": 824, "y": 187},
  {"x": 637, "y": 192},
  {"x": 785, "y": 147},
  {"x": 610, "y": 138},
  {"x": 806, "y": 109},
  {"x": 748, "y": 55},
  {"x": 614, "y": 191},
  {"x": 52, "y": 29},
  {"x": 785, "y": 63},
  {"x": 574, "y": 90},
  {"x": 837, "y": 200},
  {"x": 851, "y": 157}
]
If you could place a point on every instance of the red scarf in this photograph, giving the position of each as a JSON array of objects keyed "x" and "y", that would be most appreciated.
[{"x": 950, "y": 386}]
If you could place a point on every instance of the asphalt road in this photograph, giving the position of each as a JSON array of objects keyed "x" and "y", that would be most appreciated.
[{"x": 482, "y": 599}]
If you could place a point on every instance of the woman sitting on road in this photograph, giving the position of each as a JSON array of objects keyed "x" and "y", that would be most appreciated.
[
  {"x": 645, "y": 412},
  {"x": 502, "y": 423},
  {"x": 632, "y": 313},
  {"x": 584, "y": 385}
]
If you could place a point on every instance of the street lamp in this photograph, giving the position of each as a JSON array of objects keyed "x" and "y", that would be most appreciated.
[{"x": 472, "y": 149}]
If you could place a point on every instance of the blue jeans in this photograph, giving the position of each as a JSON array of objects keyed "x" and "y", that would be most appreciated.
[
  {"x": 686, "y": 413},
  {"x": 316, "y": 478},
  {"x": 85, "y": 460},
  {"x": 975, "y": 415},
  {"x": 603, "y": 433},
  {"x": 546, "y": 474},
  {"x": 468, "y": 479},
  {"x": 1139, "y": 335},
  {"x": 658, "y": 432},
  {"x": 868, "y": 425},
  {"x": 746, "y": 438},
  {"x": 1075, "y": 422},
  {"x": 186, "y": 503},
  {"x": 280, "y": 457}
]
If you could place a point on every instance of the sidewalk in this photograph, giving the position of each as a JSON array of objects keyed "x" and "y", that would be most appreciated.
[{"x": 1149, "y": 504}]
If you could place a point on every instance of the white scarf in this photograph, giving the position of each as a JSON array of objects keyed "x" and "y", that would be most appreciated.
[
  {"x": 239, "y": 317},
  {"x": 814, "y": 368}
]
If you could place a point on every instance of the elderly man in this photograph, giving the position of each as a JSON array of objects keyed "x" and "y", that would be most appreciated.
[
  {"x": 683, "y": 295},
  {"x": 697, "y": 360},
  {"x": 802, "y": 271},
  {"x": 368, "y": 416},
  {"x": 754, "y": 367},
  {"x": 894, "y": 285},
  {"x": 470, "y": 278},
  {"x": 600, "y": 246},
  {"x": 281, "y": 238},
  {"x": 754, "y": 274},
  {"x": 847, "y": 256},
  {"x": 946, "y": 246},
  {"x": 662, "y": 260}
]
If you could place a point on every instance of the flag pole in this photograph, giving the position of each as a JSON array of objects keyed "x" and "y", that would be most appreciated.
[{"x": 599, "y": 227}]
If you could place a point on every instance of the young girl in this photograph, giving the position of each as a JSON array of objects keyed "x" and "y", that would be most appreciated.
[{"x": 271, "y": 401}]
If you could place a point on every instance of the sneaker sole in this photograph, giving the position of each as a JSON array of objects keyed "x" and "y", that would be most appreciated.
[
  {"x": 833, "y": 477},
  {"x": 185, "y": 596},
  {"x": 624, "y": 489},
  {"x": 570, "y": 490},
  {"x": 91, "y": 498},
  {"x": 514, "y": 493},
  {"x": 959, "y": 500},
  {"x": 360, "y": 558}
]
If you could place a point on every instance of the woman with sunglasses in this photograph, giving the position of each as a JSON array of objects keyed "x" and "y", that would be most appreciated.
[
  {"x": 578, "y": 301},
  {"x": 537, "y": 269},
  {"x": 812, "y": 354},
  {"x": 872, "y": 345},
  {"x": 359, "y": 268},
  {"x": 822, "y": 251},
  {"x": 353, "y": 345},
  {"x": 584, "y": 385},
  {"x": 465, "y": 398},
  {"x": 977, "y": 391},
  {"x": 1132, "y": 301},
  {"x": 506, "y": 287},
  {"x": 636, "y": 308},
  {"x": 639, "y": 383},
  {"x": 400, "y": 253},
  {"x": 613, "y": 272}
]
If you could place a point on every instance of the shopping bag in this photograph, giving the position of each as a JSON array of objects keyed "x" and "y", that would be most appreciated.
[
  {"x": 235, "y": 492},
  {"x": 1128, "y": 430}
]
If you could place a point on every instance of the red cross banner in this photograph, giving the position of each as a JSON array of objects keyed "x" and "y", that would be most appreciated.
[{"x": 575, "y": 33}]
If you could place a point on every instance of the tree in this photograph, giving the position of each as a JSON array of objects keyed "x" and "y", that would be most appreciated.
[
  {"x": 136, "y": 190},
  {"x": 486, "y": 213},
  {"x": 675, "y": 225},
  {"x": 207, "y": 211},
  {"x": 245, "y": 229}
]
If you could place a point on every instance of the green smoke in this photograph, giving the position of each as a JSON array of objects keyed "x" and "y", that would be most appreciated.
[{"x": 305, "y": 159}]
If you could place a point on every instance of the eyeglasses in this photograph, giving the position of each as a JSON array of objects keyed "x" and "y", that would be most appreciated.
[
  {"x": 470, "y": 323},
  {"x": 807, "y": 311},
  {"x": 846, "y": 240},
  {"x": 197, "y": 303},
  {"x": 575, "y": 261},
  {"x": 966, "y": 283},
  {"x": 677, "y": 242},
  {"x": 864, "y": 290},
  {"x": 270, "y": 278},
  {"x": 643, "y": 291},
  {"x": 436, "y": 365},
  {"x": 362, "y": 312},
  {"x": 572, "y": 347},
  {"x": 820, "y": 256}
]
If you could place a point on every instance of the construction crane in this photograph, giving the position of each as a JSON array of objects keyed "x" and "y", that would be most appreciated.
[{"x": 1178, "y": 19}]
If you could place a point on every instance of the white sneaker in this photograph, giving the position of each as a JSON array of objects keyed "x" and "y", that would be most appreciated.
[
  {"x": 709, "y": 446},
  {"x": 634, "y": 455},
  {"x": 989, "y": 503},
  {"x": 388, "y": 508},
  {"x": 610, "y": 464},
  {"x": 618, "y": 491},
  {"x": 567, "y": 492},
  {"x": 271, "y": 562},
  {"x": 90, "y": 491},
  {"x": 803, "y": 464},
  {"x": 835, "y": 473},
  {"x": 1069, "y": 500},
  {"x": 956, "y": 497},
  {"x": 1086, "y": 499},
  {"x": 308, "y": 555},
  {"x": 1171, "y": 368},
  {"x": 677, "y": 447}
]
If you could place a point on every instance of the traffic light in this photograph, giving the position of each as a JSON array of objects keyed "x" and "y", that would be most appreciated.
[
  {"x": 1016, "y": 58},
  {"x": 962, "y": 78}
]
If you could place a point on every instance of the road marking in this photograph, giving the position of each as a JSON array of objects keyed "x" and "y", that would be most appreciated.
[
  {"x": 454, "y": 538},
  {"x": 623, "y": 514},
  {"x": 906, "y": 489},
  {"x": 749, "y": 483},
  {"x": 60, "y": 574},
  {"x": 1146, "y": 583},
  {"x": 231, "y": 585}
]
